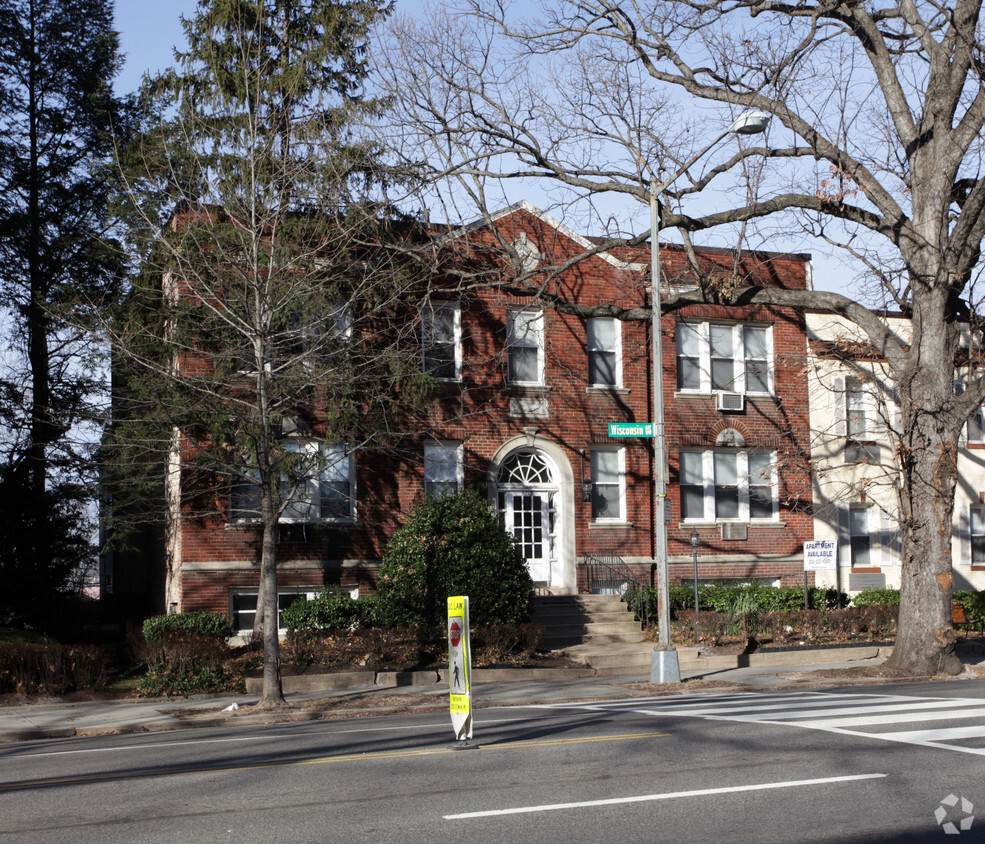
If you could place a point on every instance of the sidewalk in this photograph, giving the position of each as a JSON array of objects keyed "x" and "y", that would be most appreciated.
[{"x": 59, "y": 719}]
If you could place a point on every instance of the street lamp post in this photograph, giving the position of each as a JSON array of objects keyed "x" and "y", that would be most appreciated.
[
  {"x": 664, "y": 665},
  {"x": 695, "y": 539}
]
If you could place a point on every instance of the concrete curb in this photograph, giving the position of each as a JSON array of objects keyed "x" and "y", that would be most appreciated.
[
  {"x": 688, "y": 662},
  {"x": 770, "y": 658}
]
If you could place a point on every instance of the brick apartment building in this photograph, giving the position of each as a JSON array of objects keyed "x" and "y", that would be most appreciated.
[{"x": 525, "y": 395}]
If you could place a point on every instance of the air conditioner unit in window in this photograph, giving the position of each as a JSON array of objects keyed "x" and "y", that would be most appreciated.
[
  {"x": 730, "y": 401},
  {"x": 734, "y": 530}
]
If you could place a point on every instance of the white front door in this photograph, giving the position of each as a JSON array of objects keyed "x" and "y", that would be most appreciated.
[{"x": 528, "y": 518}]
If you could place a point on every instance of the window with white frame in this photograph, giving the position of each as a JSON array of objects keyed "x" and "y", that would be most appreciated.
[
  {"x": 867, "y": 536},
  {"x": 724, "y": 357},
  {"x": 860, "y": 536},
  {"x": 608, "y": 466},
  {"x": 977, "y": 525},
  {"x": 243, "y": 607},
  {"x": 975, "y": 430},
  {"x": 604, "y": 352},
  {"x": 316, "y": 486},
  {"x": 442, "y": 469},
  {"x": 525, "y": 347},
  {"x": 441, "y": 328},
  {"x": 858, "y": 418},
  {"x": 721, "y": 484}
]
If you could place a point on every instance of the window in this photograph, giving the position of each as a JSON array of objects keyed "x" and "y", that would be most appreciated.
[
  {"x": 604, "y": 352},
  {"x": 525, "y": 347},
  {"x": 860, "y": 539},
  {"x": 858, "y": 419},
  {"x": 714, "y": 357},
  {"x": 243, "y": 607},
  {"x": 608, "y": 484},
  {"x": 317, "y": 486},
  {"x": 442, "y": 469},
  {"x": 976, "y": 427},
  {"x": 300, "y": 336},
  {"x": 867, "y": 536},
  {"x": 442, "y": 340},
  {"x": 728, "y": 485}
]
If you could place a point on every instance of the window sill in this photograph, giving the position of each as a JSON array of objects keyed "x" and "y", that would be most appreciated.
[
  {"x": 528, "y": 389},
  {"x": 257, "y": 524},
  {"x": 600, "y": 390},
  {"x": 599, "y": 525},
  {"x": 765, "y": 523},
  {"x": 694, "y": 394}
]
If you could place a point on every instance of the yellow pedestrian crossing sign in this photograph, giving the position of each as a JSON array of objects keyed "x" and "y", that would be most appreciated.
[{"x": 460, "y": 667}]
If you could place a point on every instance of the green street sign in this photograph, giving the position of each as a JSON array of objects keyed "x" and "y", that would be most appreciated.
[{"x": 630, "y": 429}]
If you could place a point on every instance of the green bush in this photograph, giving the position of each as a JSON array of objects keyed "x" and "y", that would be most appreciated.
[
  {"x": 172, "y": 682},
  {"x": 737, "y": 599},
  {"x": 180, "y": 664},
  {"x": 198, "y": 623},
  {"x": 887, "y": 597},
  {"x": 329, "y": 610},
  {"x": 453, "y": 546}
]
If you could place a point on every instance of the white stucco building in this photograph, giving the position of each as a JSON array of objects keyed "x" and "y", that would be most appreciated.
[{"x": 855, "y": 482}]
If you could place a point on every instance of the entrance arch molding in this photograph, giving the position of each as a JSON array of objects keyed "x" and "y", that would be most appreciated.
[{"x": 565, "y": 501}]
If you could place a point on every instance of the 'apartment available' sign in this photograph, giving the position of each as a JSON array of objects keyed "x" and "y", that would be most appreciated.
[{"x": 820, "y": 556}]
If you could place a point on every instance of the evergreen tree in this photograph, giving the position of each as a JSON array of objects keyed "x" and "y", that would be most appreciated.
[
  {"x": 269, "y": 302},
  {"x": 57, "y": 117}
]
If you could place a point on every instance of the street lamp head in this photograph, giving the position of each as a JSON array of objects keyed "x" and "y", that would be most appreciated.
[
  {"x": 695, "y": 538},
  {"x": 750, "y": 123}
]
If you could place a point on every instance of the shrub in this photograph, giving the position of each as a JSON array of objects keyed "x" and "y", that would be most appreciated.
[
  {"x": 329, "y": 610},
  {"x": 504, "y": 644},
  {"x": 722, "y": 598},
  {"x": 887, "y": 597},
  {"x": 199, "y": 623},
  {"x": 51, "y": 669},
  {"x": 184, "y": 653},
  {"x": 170, "y": 682},
  {"x": 453, "y": 546}
]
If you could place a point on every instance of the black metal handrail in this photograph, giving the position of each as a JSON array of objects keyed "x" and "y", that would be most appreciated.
[{"x": 611, "y": 575}]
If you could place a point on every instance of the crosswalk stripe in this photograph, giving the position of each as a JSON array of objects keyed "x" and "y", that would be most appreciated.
[
  {"x": 831, "y": 712},
  {"x": 893, "y": 718}
]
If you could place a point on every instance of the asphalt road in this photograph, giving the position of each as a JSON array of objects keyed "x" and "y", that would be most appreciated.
[{"x": 860, "y": 764}]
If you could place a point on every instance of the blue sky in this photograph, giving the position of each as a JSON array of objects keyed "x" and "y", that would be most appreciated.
[{"x": 148, "y": 32}]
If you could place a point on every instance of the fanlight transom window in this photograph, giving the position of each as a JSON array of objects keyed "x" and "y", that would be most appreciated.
[{"x": 526, "y": 468}]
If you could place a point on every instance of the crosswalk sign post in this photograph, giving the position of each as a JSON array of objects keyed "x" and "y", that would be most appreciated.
[{"x": 460, "y": 668}]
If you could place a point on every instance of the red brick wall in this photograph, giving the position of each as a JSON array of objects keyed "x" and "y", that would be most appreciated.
[{"x": 476, "y": 412}]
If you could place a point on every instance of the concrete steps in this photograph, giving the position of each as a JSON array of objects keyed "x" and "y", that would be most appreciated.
[{"x": 598, "y": 630}]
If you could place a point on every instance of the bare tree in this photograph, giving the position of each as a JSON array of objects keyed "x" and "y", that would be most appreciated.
[{"x": 876, "y": 147}]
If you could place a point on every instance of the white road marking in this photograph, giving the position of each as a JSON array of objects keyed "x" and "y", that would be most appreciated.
[
  {"x": 829, "y": 712},
  {"x": 673, "y": 795}
]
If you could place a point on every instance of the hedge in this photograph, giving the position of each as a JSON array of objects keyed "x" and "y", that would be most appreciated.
[{"x": 198, "y": 623}]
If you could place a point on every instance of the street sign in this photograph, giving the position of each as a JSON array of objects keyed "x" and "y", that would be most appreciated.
[
  {"x": 630, "y": 429},
  {"x": 460, "y": 667}
]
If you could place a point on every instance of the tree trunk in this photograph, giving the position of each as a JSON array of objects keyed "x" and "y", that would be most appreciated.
[
  {"x": 273, "y": 692},
  {"x": 928, "y": 464}
]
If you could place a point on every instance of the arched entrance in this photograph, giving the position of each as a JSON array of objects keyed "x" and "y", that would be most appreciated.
[{"x": 533, "y": 499}]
